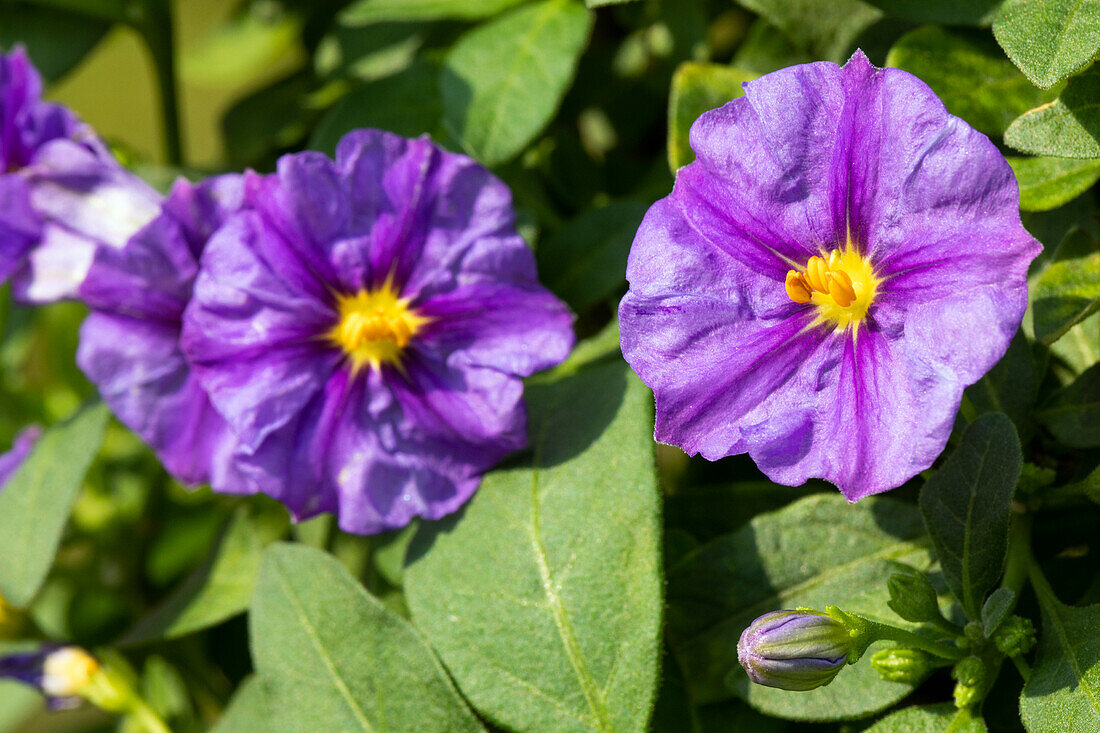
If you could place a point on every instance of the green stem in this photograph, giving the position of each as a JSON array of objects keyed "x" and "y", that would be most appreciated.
[
  {"x": 149, "y": 719},
  {"x": 908, "y": 638},
  {"x": 969, "y": 412},
  {"x": 1043, "y": 591},
  {"x": 156, "y": 27},
  {"x": 1019, "y": 555},
  {"x": 948, "y": 627},
  {"x": 1022, "y": 666}
]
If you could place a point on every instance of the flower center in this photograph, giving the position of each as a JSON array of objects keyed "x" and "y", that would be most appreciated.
[
  {"x": 374, "y": 326},
  {"x": 842, "y": 285},
  {"x": 68, "y": 671}
]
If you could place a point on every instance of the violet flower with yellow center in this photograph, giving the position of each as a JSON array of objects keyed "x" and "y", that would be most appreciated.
[
  {"x": 363, "y": 326},
  {"x": 840, "y": 262}
]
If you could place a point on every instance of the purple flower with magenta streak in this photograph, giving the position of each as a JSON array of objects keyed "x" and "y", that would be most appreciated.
[
  {"x": 130, "y": 343},
  {"x": 842, "y": 259},
  {"x": 364, "y": 326},
  {"x": 62, "y": 194},
  {"x": 794, "y": 650}
]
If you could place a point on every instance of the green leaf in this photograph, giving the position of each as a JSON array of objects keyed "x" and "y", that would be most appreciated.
[
  {"x": 56, "y": 41},
  {"x": 942, "y": 718},
  {"x": 217, "y": 590},
  {"x": 241, "y": 50},
  {"x": 17, "y": 703},
  {"x": 1049, "y": 39},
  {"x": 966, "y": 507},
  {"x": 584, "y": 261},
  {"x": 544, "y": 597},
  {"x": 1068, "y": 291},
  {"x": 1073, "y": 413},
  {"x": 995, "y": 609},
  {"x": 1068, "y": 127},
  {"x": 406, "y": 103},
  {"x": 710, "y": 510},
  {"x": 816, "y": 552},
  {"x": 502, "y": 82},
  {"x": 369, "y": 52},
  {"x": 331, "y": 657},
  {"x": 697, "y": 88},
  {"x": 35, "y": 503},
  {"x": 1010, "y": 386},
  {"x": 949, "y": 12},
  {"x": 1047, "y": 183},
  {"x": 967, "y": 70},
  {"x": 1063, "y": 692},
  {"x": 826, "y": 29},
  {"x": 248, "y": 711},
  {"x": 270, "y": 119},
  {"x": 1080, "y": 347},
  {"x": 601, "y": 3},
  {"x": 362, "y": 12}
]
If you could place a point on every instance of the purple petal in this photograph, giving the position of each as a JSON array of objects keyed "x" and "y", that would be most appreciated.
[
  {"x": 21, "y": 447},
  {"x": 20, "y": 227}
]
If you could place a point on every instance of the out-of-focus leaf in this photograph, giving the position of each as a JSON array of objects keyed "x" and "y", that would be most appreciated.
[
  {"x": 943, "y": 718},
  {"x": 765, "y": 49},
  {"x": 544, "y": 596},
  {"x": 56, "y": 41},
  {"x": 217, "y": 590},
  {"x": 362, "y": 12},
  {"x": 1049, "y": 39},
  {"x": 241, "y": 50},
  {"x": 369, "y": 52},
  {"x": 35, "y": 503},
  {"x": 1068, "y": 291},
  {"x": 697, "y": 88},
  {"x": 270, "y": 119},
  {"x": 406, "y": 103},
  {"x": 823, "y": 28},
  {"x": 1047, "y": 183},
  {"x": 967, "y": 70},
  {"x": 503, "y": 81},
  {"x": 1063, "y": 692},
  {"x": 1073, "y": 413},
  {"x": 1080, "y": 347},
  {"x": 248, "y": 711},
  {"x": 966, "y": 507},
  {"x": 332, "y": 658},
  {"x": 601, "y": 3},
  {"x": 17, "y": 703},
  {"x": 950, "y": 12},
  {"x": 1068, "y": 127},
  {"x": 584, "y": 261},
  {"x": 778, "y": 561}
]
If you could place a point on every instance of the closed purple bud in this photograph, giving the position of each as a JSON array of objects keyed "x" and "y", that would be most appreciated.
[{"x": 794, "y": 650}]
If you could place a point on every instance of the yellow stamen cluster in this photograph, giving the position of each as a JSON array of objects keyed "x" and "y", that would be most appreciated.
[
  {"x": 841, "y": 284},
  {"x": 374, "y": 326},
  {"x": 68, "y": 671}
]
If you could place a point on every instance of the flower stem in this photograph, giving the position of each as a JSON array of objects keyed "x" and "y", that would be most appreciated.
[
  {"x": 1022, "y": 666},
  {"x": 149, "y": 719},
  {"x": 1019, "y": 555},
  {"x": 156, "y": 27},
  {"x": 893, "y": 633}
]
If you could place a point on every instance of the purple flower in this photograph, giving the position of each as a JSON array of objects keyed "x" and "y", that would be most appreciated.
[
  {"x": 129, "y": 344},
  {"x": 364, "y": 328},
  {"x": 841, "y": 261},
  {"x": 794, "y": 650},
  {"x": 62, "y": 194},
  {"x": 61, "y": 673},
  {"x": 21, "y": 447}
]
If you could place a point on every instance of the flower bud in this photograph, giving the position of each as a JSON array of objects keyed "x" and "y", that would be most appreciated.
[
  {"x": 970, "y": 675},
  {"x": 912, "y": 597},
  {"x": 902, "y": 664},
  {"x": 794, "y": 650},
  {"x": 1015, "y": 636},
  {"x": 62, "y": 674}
]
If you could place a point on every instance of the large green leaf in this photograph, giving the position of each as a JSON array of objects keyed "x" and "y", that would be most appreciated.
[
  {"x": 1068, "y": 127},
  {"x": 966, "y": 507},
  {"x": 969, "y": 73},
  {"x": 56, "y": 41},
  {"x": 406, "y": 103},
  {"x": 816, "y": 552},
  {"x": 1063, "y": 692},
  {"x": 584, "y": 261},
  {"x": 17, "y": 703},
  {"x": 1010, "y": 386},
  {"x": 1073, "y": 413},
  {"x": 502, "y": 82},
  {"x": 952, "y": 12},
  {"x": 1049, "y": 39},
  {"x": 943, "y": 718},
  {"x": 332, "y": 658},
  {"x": 35, "y": 503},
  {"x": 241, "y": 50},
  {"x": 248, "y": 711},
  {"x": 1068, "y": 291},
  {"x": 1047, "y": 183},
  {"x": 362, "y": 12},
  {"x": 217, "y": 590},
  {"x": 697, "y": 88},
  {"x": 823, "y": 28},
  {"x": 544, "y": 596}
]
